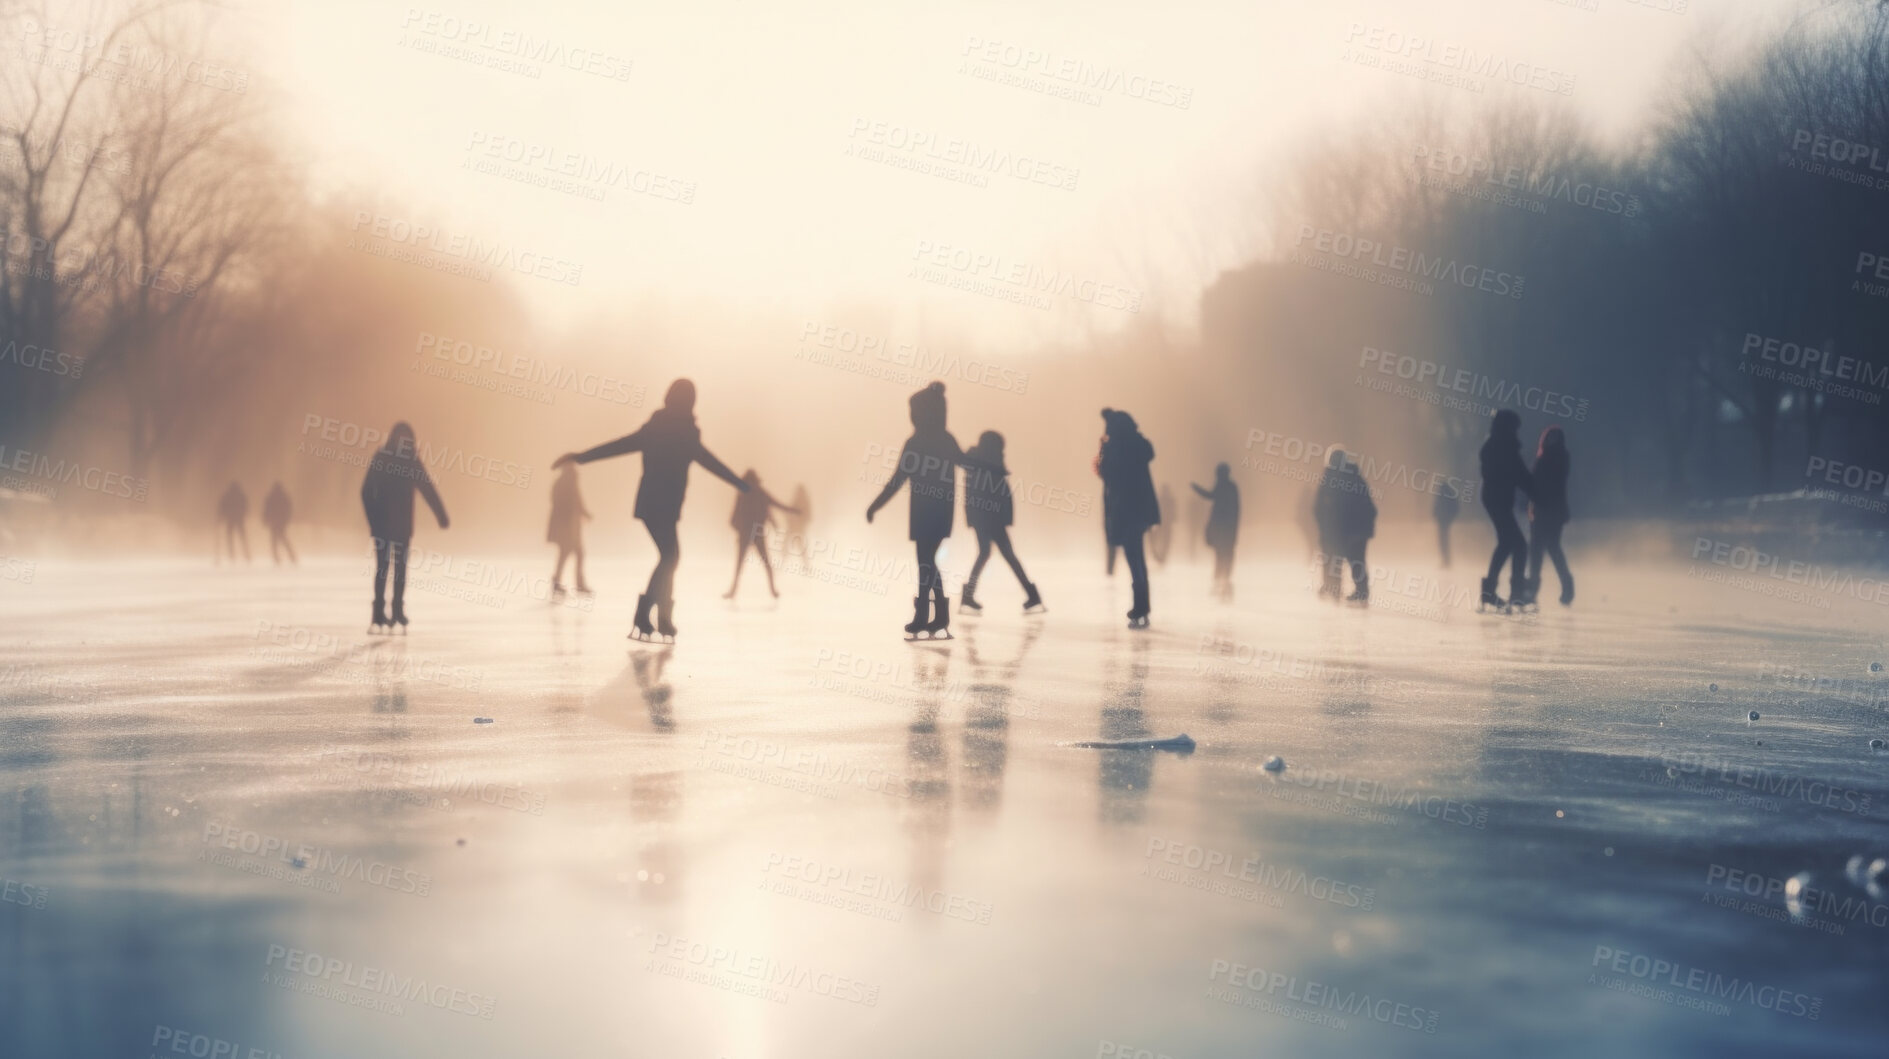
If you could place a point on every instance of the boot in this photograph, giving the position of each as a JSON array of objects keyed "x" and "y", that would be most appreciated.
[
  {"x": 641, "y": 628},
  {"x": 1138, "y": 617},
  {"x": 1567, "y": 591},
  {"x": 380, "y": 616},
  {"x": 664, "y": 626},
  {"x": 399, "y": 616},
  {"x": 921, "y": 616},
  {"x": 940, "y": 624},
  {"x": 1489, "y": 598},
  {"x": 1031, "y": 600},
  {"x": 968, "y": 601}
]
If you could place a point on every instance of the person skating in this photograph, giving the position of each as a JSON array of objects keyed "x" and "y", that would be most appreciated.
[
  {"x": 1503, "y": 472},
  {"x": 1129, "y": 504},
  {"x": 754, "y": 513},
  {"x": 1444, "y": 511},
  {"x": 1548, "y": 514},
  {"x": 989, "y": 509},
  {"x": 276, "y": 512},
  {"x": 1347, "y": 520},
  {"x": 930, "y": 460},
  {"x": 232, "y": 510},
  {"x": 1223, "y": 527},
  {"x": 393, "y": 476},
  {"x": 670, "y": 441},
  {"x": 566, "y": 530}
]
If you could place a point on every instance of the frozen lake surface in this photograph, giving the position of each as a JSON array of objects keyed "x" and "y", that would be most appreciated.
[{"x": 230, "y": 819}]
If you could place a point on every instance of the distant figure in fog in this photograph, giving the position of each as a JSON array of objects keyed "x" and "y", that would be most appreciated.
[
  {"x": 754, "y": 513},
  {"x": 387, "y": 497},
  {"x": 232, "y": 508},
  {"x": 1549, "y": 514},
  {"x": 1503, "y": 472},
  {"x": 1444, "y": 510},
  {"x": 799, "y": 515},
  {"x": 930, "y": 459},
  {"x": 1223, "y": 527},
  {"x": 1129, "y": 504},
  {"x": 670, "y": 441},
  {"x": 568, "y": 515},
  {"x": 989, "y": 509},
  {"x": 276, "y": 511},
  {"x": 1347, "y": 520},
  {"x": 1161, "y": 537}
]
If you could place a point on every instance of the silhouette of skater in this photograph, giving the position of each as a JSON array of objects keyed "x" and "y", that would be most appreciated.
[
  {"x": 1503, "y": 472},
  {"x": 568, "y": 515},
  {"x": 989, "y": 509},
  {"x": 1549, "y": 513},
  {"x": 753, "y": 515},
  {"x": 1347, "y": 520},
  {"x": 1129, "y": 505},
  {"x": 799, "y": 515},
  {"x": 232, "y": 508},
  {"x": 1444, "y": 510},
  {"x": 1223, "y": 527},
  {"x": 1161, "y": 537},
  {"x": 930, "y": 460},
  {"x": 387, "y": 497},
  {"x": 669, "y": 442},
  {"x": 276, "y": 510}
]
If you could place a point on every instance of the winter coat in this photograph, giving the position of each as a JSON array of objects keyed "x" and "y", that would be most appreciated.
[
  {"x": 387, "y": 492},
  {"x": 930, "y": 460},
  {"x": 1551, "y": 489},
  {"x": 276, "y": 508},
  {"x": 1344, "y": 509},
  {"x": 1129, "y": 505},
  {"x": 567, "y": 513},
  {"x": 988, "y": 503},
  {"x": 1223, "y": 520},
  {"x": 669, "y": 442},
  {"x": 1503, "y": 472}
]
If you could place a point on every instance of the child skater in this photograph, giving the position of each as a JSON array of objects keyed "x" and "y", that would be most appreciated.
[
  {"x": 989, "y": 509},
  {"x": 1548, "y": 515},
  {"x": 568, "y": 515},
  {"x": 1223, "y": 527},
  {"x": 1129, "y": 505},
  {"x": 930, "y": 460},
  {"x": 753, "y": 514},
  {"x": 669, "y": 442},
  {"x": 387, "y": 496}
]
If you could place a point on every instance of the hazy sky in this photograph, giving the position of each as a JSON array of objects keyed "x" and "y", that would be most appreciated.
[{"x": 750, "y": 111}]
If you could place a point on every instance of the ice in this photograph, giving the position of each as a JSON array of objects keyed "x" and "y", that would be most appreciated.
[{"x": 1489, "y": 819}]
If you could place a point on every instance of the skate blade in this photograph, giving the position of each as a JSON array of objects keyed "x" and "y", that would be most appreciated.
[
  {"x": 1038, "y": 609},
  {"x": 962, "y": 609}
]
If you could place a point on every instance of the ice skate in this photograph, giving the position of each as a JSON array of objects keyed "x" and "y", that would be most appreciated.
[
  {"x": 1032, "y": 603},
  {"x": 1522, "y": 596},
  {"x": 967, "y": 603},
  {"x": 641, "y": 630},
  {"x": 917, "y": 628},
  {"x": 1567, "y": 592},
  {"x": 1138, "y": 615},
  {"x": 1362, "y": 597},
  {"x": 379, "y": 623},
  {"x": 939, "y": 627},
  {"x": 399, "y": 617},
  {"x": 664, "y": 627},
  {"x": 1489, "y": 598}
]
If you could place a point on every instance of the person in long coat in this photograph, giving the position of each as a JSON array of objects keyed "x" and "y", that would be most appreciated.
[
  {"x": 1129, "y": 504},
  {"x": 393, "y": 476},
  {"x": 566, "y": 529},
  {"x": 929, "y": 460},
  {"x": 1548, "y": 514},
  {"x": 670, "y": 441},
  {"x": 989, "y": 509},
  {"x": 1503, "y": 473},
  {"x": 1347, "y": 520},
  {"x": 1223, "y": 527}
]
